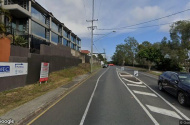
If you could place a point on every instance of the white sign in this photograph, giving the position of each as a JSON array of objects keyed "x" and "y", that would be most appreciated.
[
  {"x": 122, "y": 68},
  {"x": 135, "y": 73},
  {"x": 13, "y": 69},
  {"x": 44, "y": 72}
]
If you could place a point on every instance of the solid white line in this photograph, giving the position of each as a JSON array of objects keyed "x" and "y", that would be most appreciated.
[
  {"x": 164, "y": 111},
  {"x": 144, "y": 93},
  {"x": 177, "y": 110},
  {"x": 143, "y": 107},
  {"x": 88, "y": 105},
  {"x": 143, "y": 86},
  {"x": 132, "y": 81}
]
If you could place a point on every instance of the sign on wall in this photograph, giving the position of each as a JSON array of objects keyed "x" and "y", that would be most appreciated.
[
  {"x": 44, "y": 72},
  {"x": 13, "y": 69}
]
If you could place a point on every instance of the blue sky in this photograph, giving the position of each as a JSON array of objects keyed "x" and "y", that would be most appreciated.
[{"x": 114, "y": 14}]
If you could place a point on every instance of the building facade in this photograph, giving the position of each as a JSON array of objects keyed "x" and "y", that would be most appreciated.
[{"x": 33, "y": 22}]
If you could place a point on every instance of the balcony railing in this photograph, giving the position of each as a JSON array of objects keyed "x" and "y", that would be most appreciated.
[{"x": 22, "y": 3}]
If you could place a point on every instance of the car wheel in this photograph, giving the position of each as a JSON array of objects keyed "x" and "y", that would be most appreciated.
[
  {"x": 160, "y": 86},
  {"x": 181, "y": 98}
]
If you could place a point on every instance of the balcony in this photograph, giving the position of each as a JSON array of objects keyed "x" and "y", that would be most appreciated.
[{"x": 19, "y": 9}]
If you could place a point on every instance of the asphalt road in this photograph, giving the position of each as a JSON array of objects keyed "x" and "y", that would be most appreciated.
[{"x": 108, "y": 99}]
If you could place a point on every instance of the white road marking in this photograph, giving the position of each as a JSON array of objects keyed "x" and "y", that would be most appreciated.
[
  {"x": 143, "y": 86},
  {"x": 88, "y": 105},
  {"x": 177, "y": 110},
  {"x": 144, "y": 93},
  {"x": 143, "y": 107},
  {"x": 139, "y": 83},
  {"x": 163, "y": 111}
]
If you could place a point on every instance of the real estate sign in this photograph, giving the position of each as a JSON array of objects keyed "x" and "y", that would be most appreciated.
[
  {"x": 44, "y": 72},
  {"x": 13, "y": 69}
]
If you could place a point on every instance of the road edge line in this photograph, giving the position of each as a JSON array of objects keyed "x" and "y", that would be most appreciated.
[
  {"x": 71, "y": 89},
  {"x": 90, "y": 100}
]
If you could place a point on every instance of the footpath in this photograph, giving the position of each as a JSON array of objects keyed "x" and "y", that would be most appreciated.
[{"x": 23, "y": 113}]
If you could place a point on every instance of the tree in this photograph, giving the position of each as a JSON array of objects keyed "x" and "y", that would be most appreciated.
[
  {"x": 100, "y": 57},
  {"x": 148, "y": 52},
  {"x": 131, "y": 45},
  {"x": 120, "y": 55},
  {"x": 180, "y": 35}
]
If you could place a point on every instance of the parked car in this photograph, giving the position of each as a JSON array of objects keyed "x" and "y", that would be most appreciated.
[
  {"x": 105, "y": 66},
  {"x": 177, "y": 84}
]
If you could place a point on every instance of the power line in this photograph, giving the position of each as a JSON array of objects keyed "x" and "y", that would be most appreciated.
[
  {"x": 146, "y": 21},
  {"x": 84, "y": 7},
  {"x": 96, "y": 48},
  {"x": 153, "y": 25}
]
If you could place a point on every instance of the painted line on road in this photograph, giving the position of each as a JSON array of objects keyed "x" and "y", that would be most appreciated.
[
  {"x": 67, "y": 93},
  {"x": 177, "y": 110},
  {"x": 139, "y": 83},
  {"x": 90, "y": 100},
  {"x": 143, "y": 86},
  {"x": 142, "y": 106},
  {"x": 163, "y": 111},
  {"x": 144, "y": 93}
]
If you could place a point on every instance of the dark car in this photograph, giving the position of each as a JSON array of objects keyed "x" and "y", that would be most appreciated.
[{"x": 177, "y": 84}]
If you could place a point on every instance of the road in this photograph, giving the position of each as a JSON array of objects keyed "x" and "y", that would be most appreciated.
[{"x": 107, "y": 99}]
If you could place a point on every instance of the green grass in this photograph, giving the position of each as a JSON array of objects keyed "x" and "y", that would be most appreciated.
[{"x": 13, "y": 98}]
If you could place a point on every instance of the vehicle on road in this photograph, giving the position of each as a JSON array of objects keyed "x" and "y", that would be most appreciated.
[
  {"x": 104, "y": 65},
  {"x": 111, "y": 64},
  {"x": 177, "y": 84}
]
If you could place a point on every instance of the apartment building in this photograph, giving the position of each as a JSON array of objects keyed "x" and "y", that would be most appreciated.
[{"x": 38, "y": 25}]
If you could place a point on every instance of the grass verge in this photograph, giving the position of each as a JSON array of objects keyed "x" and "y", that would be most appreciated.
[
  {"x": 157, "y": 73},
  {"x": 13, "y": 98}
]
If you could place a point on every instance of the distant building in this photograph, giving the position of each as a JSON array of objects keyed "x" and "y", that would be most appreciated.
[
  {"x": 38, "y": 25},
  {"x": 85, "y": 52}
]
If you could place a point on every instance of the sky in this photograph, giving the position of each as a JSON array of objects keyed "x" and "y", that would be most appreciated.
[{"x": 113, "y": 14}]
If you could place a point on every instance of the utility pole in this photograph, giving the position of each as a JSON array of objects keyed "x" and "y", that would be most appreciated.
[
  {"x": 92, "y": 28},
  {"x": 105, "y": 56}
]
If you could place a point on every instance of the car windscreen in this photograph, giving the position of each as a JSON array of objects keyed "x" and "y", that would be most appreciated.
[{"x": 184, "y": 78}]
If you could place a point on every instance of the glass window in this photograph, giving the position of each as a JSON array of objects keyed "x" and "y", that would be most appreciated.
[
  {"x": 65, "y": 33},
  {"x": 72, "y": 38},
  {"x": 54, "y": 26},
  {"x": 54, "y": 37},
  {"x": 38, "y": 29},
  {"x": 65, "y": 42},
  {"x": 68, "y": 43},
  {"x": 36, "y": 14},
  {"x": 174, "y": 77},
  {"x": 185, "y": 78}
]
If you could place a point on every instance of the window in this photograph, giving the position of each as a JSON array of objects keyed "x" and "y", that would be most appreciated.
[
  {"x": 54, "y": 26},
  {"x": 54, "y": 37},
  {"x": 174, "y": 77},
  {"x": 38, "y": 29},
  {"x": 72, "y": 38},
  {"x": 36, "y": 14},
  {"x": 65, "y": 42}
]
